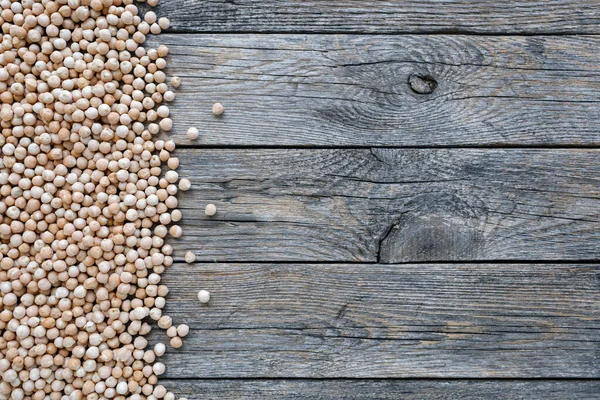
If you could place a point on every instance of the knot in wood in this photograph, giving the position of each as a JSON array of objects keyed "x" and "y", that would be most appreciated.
[{"x": 422, "y": 84}]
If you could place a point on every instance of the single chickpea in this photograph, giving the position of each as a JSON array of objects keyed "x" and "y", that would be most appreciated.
[
  {"x": 218, "y": 109},
  {"x": 190, "y": 257},
  {"x": 175, "y": 81},
  {"x": 210, "y": 210},
  {"x": 204, "y": 296},
  {"x": 193, "y": 133}
]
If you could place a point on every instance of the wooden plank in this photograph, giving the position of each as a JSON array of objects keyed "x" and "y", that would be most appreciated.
[
  {"x": 340, "y": 90},
  {"x": 391, "y": 205},
  {"x": 307, "y": 389},
  {"x": 413, "y": 16},
  {"x": 373, "y": 321}
]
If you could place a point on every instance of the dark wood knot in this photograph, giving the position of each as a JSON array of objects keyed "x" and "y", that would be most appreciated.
[{"x": 422, "y": 84}]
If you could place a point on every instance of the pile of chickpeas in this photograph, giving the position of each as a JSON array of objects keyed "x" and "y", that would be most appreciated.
[{"x": 87, "y": 198}]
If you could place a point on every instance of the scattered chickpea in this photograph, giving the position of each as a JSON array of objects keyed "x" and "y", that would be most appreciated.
[
  {"x": 183, "y": 330},
  {"x": 163, "y": 23},
  {"x": 210, "y": 210},
  {"x": 204, "y": 296},
  {"x": 165, "y": 322},
  {"x": 175, "y": 81},
  {"x": 218, "y": 109},
  {"x": 173, "y": 163},
  {"x": 175, "y": 231},
  {"x": 159, "y": 349},
  {"x": 185, "y": 184},
  {"x": 172, "y": 332},
  {"x": 169, "y": 96},
  {"x": 190, "y": 257},
  {"x": 193, "y": 133},
  {"x": 176, "y": 342}
]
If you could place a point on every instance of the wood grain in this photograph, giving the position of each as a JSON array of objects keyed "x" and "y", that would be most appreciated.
[
  {"x": 391, "y": 205},
  {"x": 372, "y": 320},
  {"x": 414, "y": 16},
  {"x": 340, "y": 90},
  {"x": 388, "y": 389}
]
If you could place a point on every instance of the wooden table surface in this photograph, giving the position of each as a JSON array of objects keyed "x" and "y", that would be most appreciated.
[{"x": 408, "y": 199}]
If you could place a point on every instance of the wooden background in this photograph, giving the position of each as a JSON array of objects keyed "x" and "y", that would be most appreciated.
[{"x": 408, "y": 199}]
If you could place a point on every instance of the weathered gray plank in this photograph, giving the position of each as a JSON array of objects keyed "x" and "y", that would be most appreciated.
[
  {"x": 373, "y": 321},
  {"x": 315, "y": 90},
  {"x": 415, "y": 16},
  {"x": 384, "y": 389},
  {"x": 391, "y": 205}
]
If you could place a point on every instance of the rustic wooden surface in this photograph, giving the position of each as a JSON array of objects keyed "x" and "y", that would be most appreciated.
[
  {"x": 410, "y": 191},
  {"x": 396, "y": 16},
  {"x": 349, "y": 90},
  {"x": 311, "y": 389},
  {"x": 392, "y": 205},
  {"x": 374, "y": 320}
]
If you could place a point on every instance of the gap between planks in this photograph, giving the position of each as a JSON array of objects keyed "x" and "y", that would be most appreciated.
[
  {"x": 382, "y": 388},
  {"x": 179, "y": 260},
  {"x": 182, "y": 32},
  {"x": 384, "y": 379},
  {"x": 433, "y": 147}
]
